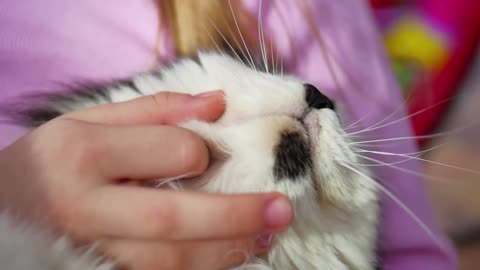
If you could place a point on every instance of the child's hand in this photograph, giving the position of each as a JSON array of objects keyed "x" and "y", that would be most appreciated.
[{"x": 67, "y": 173}]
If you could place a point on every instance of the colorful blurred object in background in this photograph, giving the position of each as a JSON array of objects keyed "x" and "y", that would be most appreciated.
[
  {"x": 433, "y": 47},
  {"x": 432, "y": 44}
]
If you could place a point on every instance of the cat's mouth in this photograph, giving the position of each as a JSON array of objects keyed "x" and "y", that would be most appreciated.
[
  {"x": 292, "y": 156},
  {"x": 298, "y": 149}
]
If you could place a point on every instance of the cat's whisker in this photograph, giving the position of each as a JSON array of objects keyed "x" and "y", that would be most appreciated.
[
  {"x": 400, "y": 204},
  {"x": 422, "y": 159},
  {"x": 226, "y": 40},
  {"x": 235, "y": 40},
  {"x": 384, "y": 119},
  {"x": 172, "y": 182},
  {"x": 417, "y": 153},
  {"x": 401, "y": 106},
  {"x": 281, "y": 66},
  {"x": 435, "y": 135},
  {"x": 274, "y": 72},
  {"x": 401, "y": 119},
  {"x": 381, "y": 165},
  {"x": 261, "y": 37},
  {"x": 356, "y": 140},
  {"x": 241, "y": 36},
  {"x": 407, "y": 171},
  {"x": 356, "y": 123},
  {"x": 216, "y": 44},
  {"x": 410, "y": 156},
  {"x": 277, "y": 61},
  {"x": 287, "y": 38},
  {"x": 376, "y": 145}
]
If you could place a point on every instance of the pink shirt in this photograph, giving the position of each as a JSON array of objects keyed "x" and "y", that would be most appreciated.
[{"x": 46, "y": 43}]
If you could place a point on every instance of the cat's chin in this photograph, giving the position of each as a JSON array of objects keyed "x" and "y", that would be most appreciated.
[{"x": 320, "y": 238}]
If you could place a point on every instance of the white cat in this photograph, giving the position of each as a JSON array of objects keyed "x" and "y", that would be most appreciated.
[{"x": 277, "y": 134}]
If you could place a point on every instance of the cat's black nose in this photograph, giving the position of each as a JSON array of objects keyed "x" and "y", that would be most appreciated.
[{"x": 315, "y": 99}]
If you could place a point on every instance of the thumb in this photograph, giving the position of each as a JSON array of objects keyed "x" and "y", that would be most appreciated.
[{"x": 164, "y": 108}]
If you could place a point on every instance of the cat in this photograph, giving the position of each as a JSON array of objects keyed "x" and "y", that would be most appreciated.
[{"x": 278, "y": 133}]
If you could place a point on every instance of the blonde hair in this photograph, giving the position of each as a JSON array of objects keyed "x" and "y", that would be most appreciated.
[
  {"x": 208, "y": 24},
  {"x": 213, "y": 24},
  {"x": 226, "y": 24}
]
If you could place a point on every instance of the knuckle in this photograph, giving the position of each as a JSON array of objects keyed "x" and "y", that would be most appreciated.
[
  {"x": 59, "y": 214},
  {"x": 163, "y": 221},
  {"x": 232, "y": 253},
  {"x": 182, "y": 260},
  {"x": 65, "y": 217},
  {"x": 55, "y": 143},
  {"x": 241, "y": 250},
  {"x": 67, "y": 141},
  {"x": 244, "y": 244},
  {"x": 175, "y": 258},
  {"x": 68, "y": 216}
]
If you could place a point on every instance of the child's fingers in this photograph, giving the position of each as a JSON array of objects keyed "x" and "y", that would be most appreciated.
[
  {"x": 164, "y": 108},
  {"x": 134, "y": 212}
]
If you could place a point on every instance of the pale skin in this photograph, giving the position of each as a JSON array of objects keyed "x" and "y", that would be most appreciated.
[{"x": 67, "y": 172}]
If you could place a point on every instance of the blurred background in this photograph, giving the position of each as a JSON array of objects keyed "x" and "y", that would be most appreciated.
[{"x": 434, "y": 49}]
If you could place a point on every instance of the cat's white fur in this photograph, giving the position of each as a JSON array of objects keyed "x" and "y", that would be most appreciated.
[{"x": 336, "y": 209}]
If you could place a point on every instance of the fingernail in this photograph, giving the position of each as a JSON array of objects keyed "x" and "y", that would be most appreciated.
[
  {"x": 278, "y": 213},
  {"x": 264, "y": 240},
  {"x": 209, "y": 94}
]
